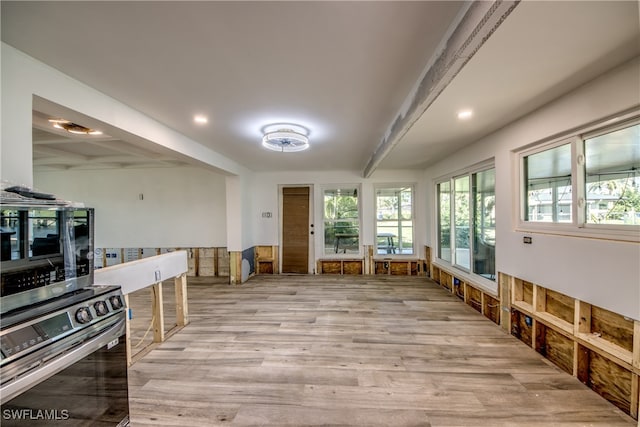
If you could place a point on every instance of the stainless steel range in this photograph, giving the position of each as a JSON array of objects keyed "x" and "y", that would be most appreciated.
[{"x": 62, "y": 339}]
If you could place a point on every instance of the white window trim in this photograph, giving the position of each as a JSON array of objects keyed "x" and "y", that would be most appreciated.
[
  {"x": 522, "y": 194},
  {"x": 462, "y": 272},
  {"x": 413, "y": 220},
  {"x": 452, "y": 200},
  {"x": 437, "y": 218},
  {"x": 578, "y": 227}
]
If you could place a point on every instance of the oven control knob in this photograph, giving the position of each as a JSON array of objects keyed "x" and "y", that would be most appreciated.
[
  {"x": 101, "y": 308},
  {"x": 83, "y": 315},
  {"x": 116, "y": 302}
]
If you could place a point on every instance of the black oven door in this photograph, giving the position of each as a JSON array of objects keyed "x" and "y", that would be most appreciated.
[{"x": 84, "y": 386}]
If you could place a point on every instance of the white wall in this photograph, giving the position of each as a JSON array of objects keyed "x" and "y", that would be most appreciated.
[
  {"x": 23, "y": 77},
  {"x": 604, "y": 273},
  {"x": 240, "y": 193},
  {"x": 181, "y": 207},
  {"x": 265, "y": 198}
]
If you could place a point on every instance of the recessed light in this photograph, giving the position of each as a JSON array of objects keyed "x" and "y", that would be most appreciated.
[
  {"x": 200, "y": 119},
  {"x": 465, "y": 114},
  {"x": 73, "y": 127}
]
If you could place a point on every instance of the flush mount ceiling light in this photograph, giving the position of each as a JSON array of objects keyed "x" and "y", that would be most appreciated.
[
  {"x": 286, "y": 138},
  {"x": 73, "y": 127}
]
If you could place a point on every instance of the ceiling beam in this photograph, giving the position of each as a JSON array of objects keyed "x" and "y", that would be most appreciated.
[{"x": 463, "y": 40}]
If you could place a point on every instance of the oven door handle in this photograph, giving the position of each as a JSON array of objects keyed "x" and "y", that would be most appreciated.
[{"x": 57, "y": 363}]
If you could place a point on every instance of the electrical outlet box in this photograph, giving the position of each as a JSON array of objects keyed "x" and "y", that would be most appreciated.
[{"x": 527, "y": 240}]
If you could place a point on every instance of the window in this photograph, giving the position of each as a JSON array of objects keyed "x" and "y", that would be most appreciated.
[
  {"x": 468, "y": 240},
  {"x": 444, "y": 221},
  {"x": 612, "y": 177},
  {"x": 461, "y": 221},
  {"x": 587, "y": 184},
  {"x": 341, "y": 221},
  {"x": 484, "y": 223},
  {"x": 44, "y": 233},
  {"x": 13, "y": 235},
  {"x": 548, "y": 185},
  {"x": 394, "y": 220}
]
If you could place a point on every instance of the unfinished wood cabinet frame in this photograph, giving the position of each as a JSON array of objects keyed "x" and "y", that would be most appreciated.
[
  {"x": 266, "y": 258},
  {"x": 464, "y": 290},
  {"x": 215, "y": 264},
  {"x": 406, "y": 263},
  {"x": 157, "y": 302},
  {"x": 518, "y": 297},
  {"x": 580, "y": 332},
  {"x": 342, "y": 262},
  {"x": 149, "y": 273}
]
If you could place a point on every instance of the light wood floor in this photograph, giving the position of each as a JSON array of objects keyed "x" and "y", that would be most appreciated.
[{"x": 365, "y": 350}]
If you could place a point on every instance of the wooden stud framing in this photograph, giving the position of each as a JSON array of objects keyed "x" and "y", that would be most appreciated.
[
  {"x": 582, "y": 318},
  {"x": 158, "y": 312},
  {"x": 368, "y": 260},
  {"x": 216, "y": 261},
  {"x": 489, "y": 305},
  {"x": 202, "y": 261},
  {"x": 235, "y": 268},
  {"x": 359, "y": 266},
  {"x": 196, "y": 260},
  {"x": 599, "y": 347},
  {"x": 636, "y": 346},
  {"x": 428, "y": 262},
  {"x": 504, "y": 284},
  {"x": 473, "y": 297},
  {"x": 539, "y": 299},
  {"x": 635, "y": 389},
  {"x": 182, "y": 306}
]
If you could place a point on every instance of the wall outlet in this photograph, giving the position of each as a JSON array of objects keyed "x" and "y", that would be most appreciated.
[{"x": 527, "y": 240}]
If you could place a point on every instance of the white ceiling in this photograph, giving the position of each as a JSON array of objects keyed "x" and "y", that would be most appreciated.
[{"x": 342, "y": 69}]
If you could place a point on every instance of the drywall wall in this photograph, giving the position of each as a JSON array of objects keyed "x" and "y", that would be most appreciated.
[
  {"x": 602, "y": 272},
  {"x": 151, "y": 207},
  {"x": 266, "y": 199},
  {"x": 23, "y": 77},
  {"x": 240, "y": 192},
  {"x": 15, "y": 150}
]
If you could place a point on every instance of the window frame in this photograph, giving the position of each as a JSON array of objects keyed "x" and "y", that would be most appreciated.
[
  {"x": 412, "y": 187},
  {"x": 578, "y": 227},
  {"x": 323, "y": 191},
  {"x": 522, "y": 182},
  {"x": 465, "y": 273},
  {"x": 438, "y": 216},
  {"x": 454, "y": 220}
]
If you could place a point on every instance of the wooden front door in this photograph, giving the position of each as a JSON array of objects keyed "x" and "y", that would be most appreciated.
[{"x": 295, "y": 230}]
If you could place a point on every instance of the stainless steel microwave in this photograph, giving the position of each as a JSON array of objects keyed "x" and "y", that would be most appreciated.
[{"x": 46, "y": 251}]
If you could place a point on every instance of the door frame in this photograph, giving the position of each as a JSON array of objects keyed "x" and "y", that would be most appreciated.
[{"x": 311, "y": 267}]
